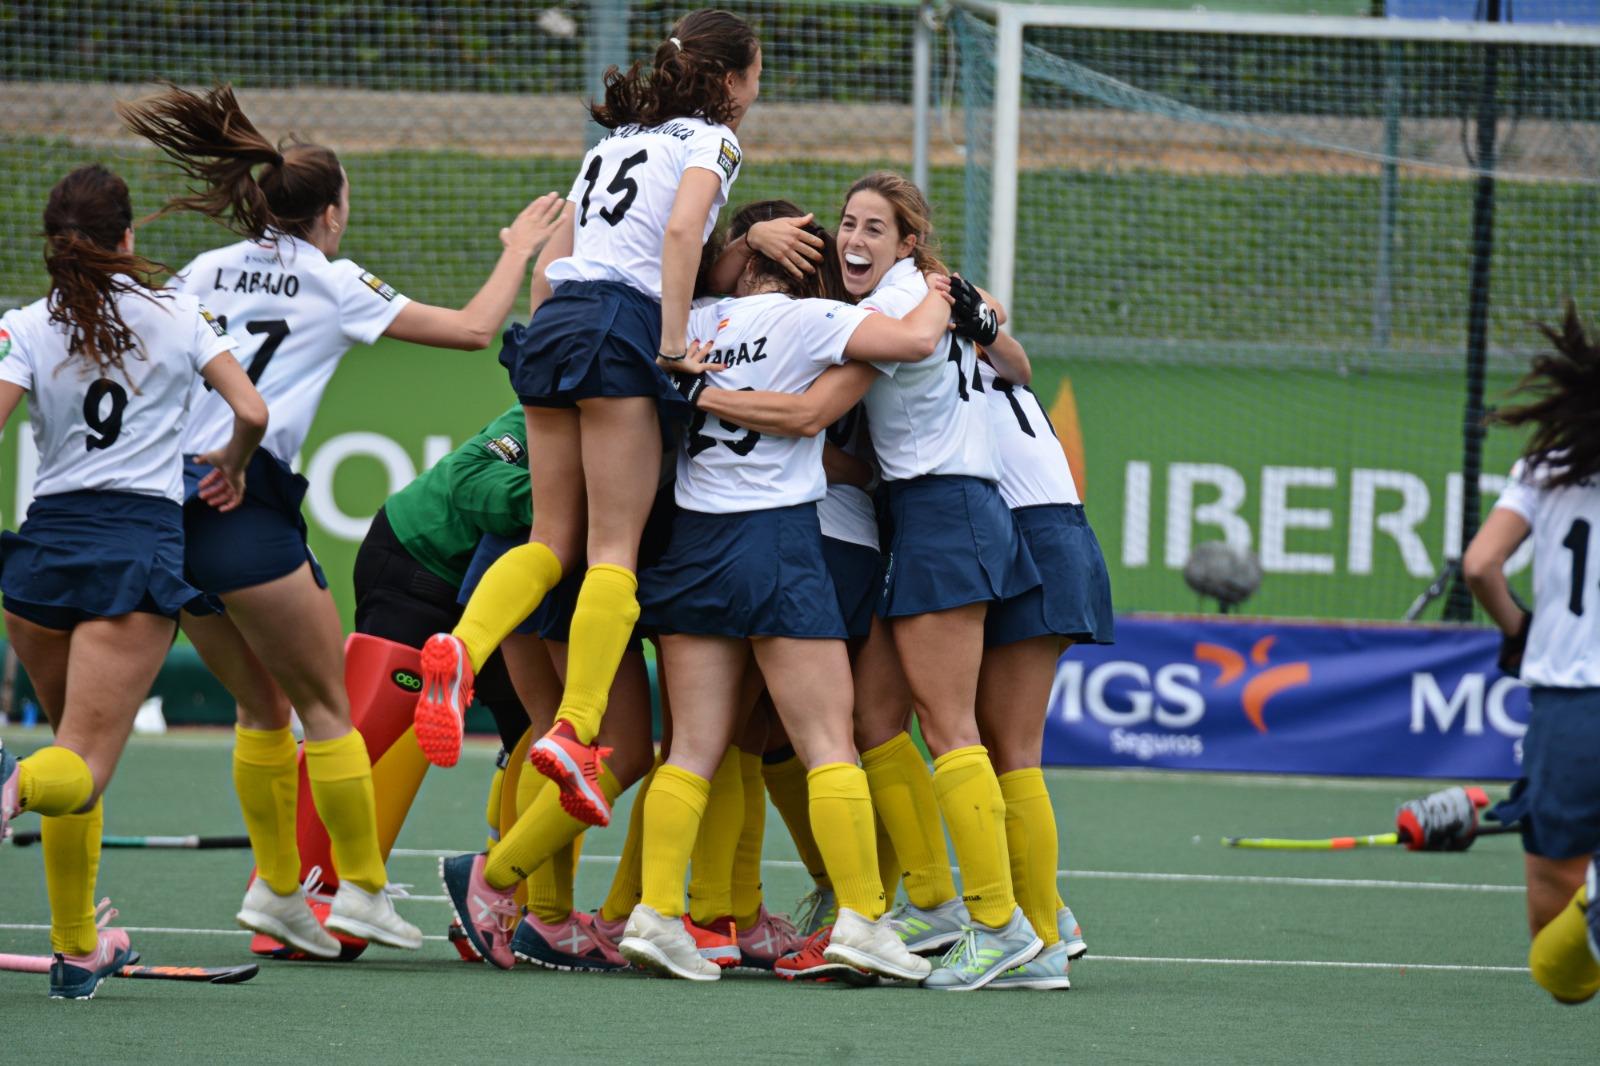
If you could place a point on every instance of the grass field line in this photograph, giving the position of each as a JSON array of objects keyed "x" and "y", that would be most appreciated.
[
  {"x": 1112, "y": 875},
  {"x": 1163, "y": 960}
]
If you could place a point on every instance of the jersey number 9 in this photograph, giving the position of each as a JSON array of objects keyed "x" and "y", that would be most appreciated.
[{"x": 107, "y": 425}]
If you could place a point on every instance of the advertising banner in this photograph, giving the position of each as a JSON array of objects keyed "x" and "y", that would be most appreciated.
[{"x": 1216, "y": 694}]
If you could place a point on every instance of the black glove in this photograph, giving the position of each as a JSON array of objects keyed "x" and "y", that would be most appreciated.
[
  {"x": 690, "y": 386},
  {"x": 1512, "y": 645},
  {"x": 974, "y": 319}
]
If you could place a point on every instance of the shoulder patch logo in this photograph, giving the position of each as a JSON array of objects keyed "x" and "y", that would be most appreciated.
[
  {"x": 506, "y": 448},
  {"x": 5, "y": 344},
  {"x": 728, "y": 158},
  {"x": 211, "y": 320},
  {"x": 377, "y": 285}
]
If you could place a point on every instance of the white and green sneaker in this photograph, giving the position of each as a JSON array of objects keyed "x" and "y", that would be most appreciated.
[
  {"x": 1048, "y": 969},
  {"x": 983, "y": 954},
  {"x": 925, "y": 931},
  {"x": 1071, "y": 934}
]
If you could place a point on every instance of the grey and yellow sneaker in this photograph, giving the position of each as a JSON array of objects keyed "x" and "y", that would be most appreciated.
[
  {"x": 1048, "y": 969},
  {"x": 924, "y": 931},
  {"x": 1071, "y": 934},
  {"x": 983, "y": 954},
  {"x": 817, "y": 910}
]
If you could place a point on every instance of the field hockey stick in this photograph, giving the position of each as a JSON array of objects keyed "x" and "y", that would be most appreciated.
[
  {"x": 1375, "y": 840},
  {"x": 212, "y": 975},
  {"x": 22, "y": 840}
]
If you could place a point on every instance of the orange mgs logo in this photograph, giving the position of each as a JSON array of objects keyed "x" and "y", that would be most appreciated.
[{"x": 1266, "y": 681}]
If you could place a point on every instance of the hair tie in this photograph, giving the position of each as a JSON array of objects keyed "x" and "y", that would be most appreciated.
[{"x": 676, "y": 43}]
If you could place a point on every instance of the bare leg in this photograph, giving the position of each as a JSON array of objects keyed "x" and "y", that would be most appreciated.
[
  {"x": 704, "y": 684},
  {"x": 260, "y": 703},
  {"x": 43, "y": 653},
  {"x": 621, "y": 468},
  {"x": 942, "y": 653},
  {"x": 1551, "y": 883},
  {"x": 882, "y": 697},
  {"x": 559, "y": 513},
  {"x": 1013, "y": 699},
  {"x": 113, "y": 663},
  {"x": 810, "y": 685}
]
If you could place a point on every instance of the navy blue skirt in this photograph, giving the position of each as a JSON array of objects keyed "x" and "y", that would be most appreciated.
[
  {"x": 854, "y": 569},
  {"x": 1557, "y": 801},
  {"x": 592, "y": 339},
  {"x": 752, "y": 574},
  {"x": 953, "y": 542},
  {"x": 261, "y": 540},
  {"x": 1074, "y": 595},
  {"x": 86, "y": 555}
]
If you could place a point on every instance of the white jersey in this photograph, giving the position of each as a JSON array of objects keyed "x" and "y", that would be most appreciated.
[
  {"x": 1033, "y": 468},
  {"x": 922, "y": 415},
  {"x": 295, "y": 314},
  {"x": 770, "y": 343},
  {"x": 1564, "y": 640},
  {"x": 624, "y": 196},
  {"x": 118, "y": 432},
  {"x": 846, "y": 512}
]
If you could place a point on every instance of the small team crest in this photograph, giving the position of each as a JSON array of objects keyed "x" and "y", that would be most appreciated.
[
  {"x": 377, "y": 285},
  {"x": 728, "y": 158},
  {"x": 723, "y": 324},
  {"x": 505, "y": 448},
  {"x": 211, "y": 320}
]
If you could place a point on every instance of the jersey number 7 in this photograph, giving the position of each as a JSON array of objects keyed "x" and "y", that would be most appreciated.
[{"x": 272, "y": 331}]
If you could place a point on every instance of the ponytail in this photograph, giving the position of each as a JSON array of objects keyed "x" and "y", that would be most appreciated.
[
  {"x": 686, "y": 77},
  {"x": 84, "y": 221},
  {"x": 246, "y": 182},
  {"x": 1563, "y": 382}
]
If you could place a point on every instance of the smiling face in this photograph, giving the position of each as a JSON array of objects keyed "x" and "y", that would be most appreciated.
[{"x": 870, "y": 241}]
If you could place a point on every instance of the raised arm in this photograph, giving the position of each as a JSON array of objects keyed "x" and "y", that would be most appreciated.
[
  {"x": 1009, "y": 360},
  {"x": 785, "y": 414},
  {"x": 883, "y": 339},
  {"x": 476, "y": 325}
]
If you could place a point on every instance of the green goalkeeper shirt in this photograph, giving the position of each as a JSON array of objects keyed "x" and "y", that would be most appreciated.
[{"x": 481, "y": 487}]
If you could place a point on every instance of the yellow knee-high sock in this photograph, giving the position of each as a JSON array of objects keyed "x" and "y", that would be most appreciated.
[
  {"x": 491, "y": 807},
  {"x": 1560, "y": 958},
  {"x": 1033, "y": 846},
  {"x": 888, "y": 861},
  {"x": 71, "y": 844},
  {"x": 540, "y": 831},
  {"x": 341, "y": 787},
  {"x": 711, "y": 861},
  {"x": 509, "y": 591},
  {"x": 627, "y": 884},
  {"x": 673, "y": 808},
  {"x": 1060, "y": 903},
  {"x": 903, "y": 796},
  {"x": 747, "y": 853},
  {"x": 969, "y": 797},
  {"x": 54, "y": 781},
  {"x": 602, "y": 622},
  {"x": 268, "y": 784},
  {"x": 786, "y": 784},
  {"x": 841, "y": 817}
]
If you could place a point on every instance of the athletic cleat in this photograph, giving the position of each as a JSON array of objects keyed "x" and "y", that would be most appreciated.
[
  {"x": 486, "y": 913},
  {"x": 817, "y": 910},
  {"x": 287, "y": 920},
  {"x": 350, "y": 947},
  {"x": 458, "y": 940},
  {"x": 768, "y": 940},
  {"x": 574, "y": 944},
  {"x": 372, "y": 917},
  {"x": 80, "y": 976},
  {"x": 575, "y": 768},
  {"x": 810, "y": 962},
  {"x": 1048, "y": 969},
  {"x": 984, "y": 953},
  {"x": 1071, "y": 934},
  {"x": 609, "y": 928},
  {"x": 10, "y": 786},
  {"x": 925, "y": 932},
  {"x": 717, "y": 942},
  {"x": 447, "y": 678},
  {"x": 873, "y": 947},
  {"x": 663, "y": 946}
]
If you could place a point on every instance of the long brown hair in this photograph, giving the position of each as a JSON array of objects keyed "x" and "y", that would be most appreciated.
[
  {"x": 84, "y": 221},
  {"x": 1566, "y": 411},
  {"x": 246, "y": 182},
  {"x": 686, "y": 75},
  {"x": 828, "y": 280},
  {"x": 912, "y": 215}
]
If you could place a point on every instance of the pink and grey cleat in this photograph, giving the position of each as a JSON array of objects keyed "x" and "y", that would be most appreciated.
[
  {"x": 768, "y": 940},
  {"x": 80, "y": 976},
  {"x": 575, "y": 944},
  {"x": 486, "y": 913},
  {"x": 575, "y": 768},
  {"x": 447, "y": 678}
]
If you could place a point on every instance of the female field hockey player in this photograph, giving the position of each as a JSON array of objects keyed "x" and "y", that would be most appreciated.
[
  {"x": 1025, "y": 635},
  {"x": 954, "y": 549},
  {"x": 744, "y": 572},
  {"x": 611, "y": 293},
  {"x": 1554, "y": 497},
  {"x": 279, "y": 643},
  {"x": 93, "y": 580}
]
